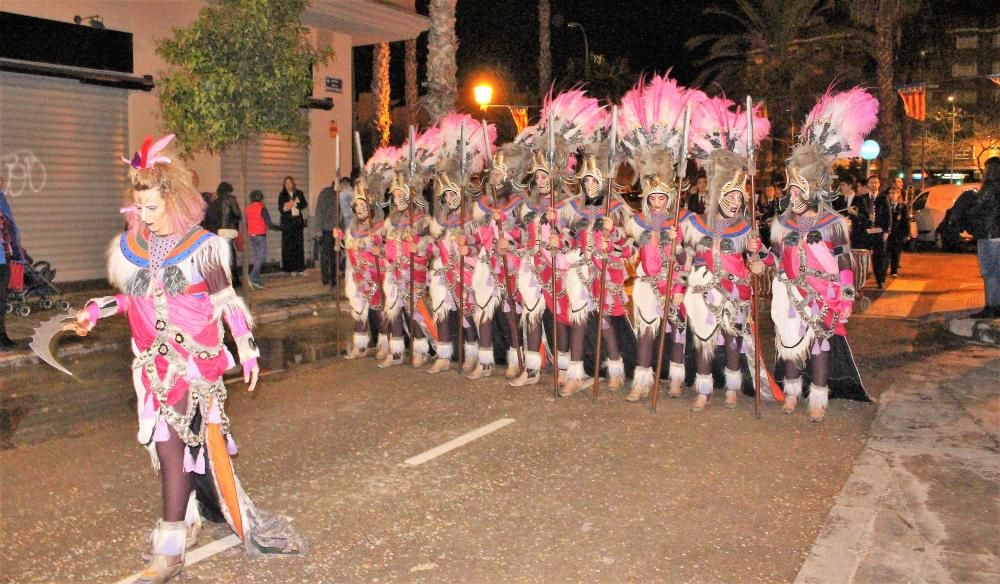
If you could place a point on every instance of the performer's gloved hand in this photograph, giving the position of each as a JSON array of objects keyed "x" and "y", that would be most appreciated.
[
  {"x": 551, "y": 215},
  {"x": 251, "y": 372},
  {"x": 497, "y": 216},
  {"x": 83, "y": 323},
  {"x": 338, "y": 233},
  {"x": 554, "y": 241},
  {"x": 846, "y": 312},
  {"x": 678, "y": 299},
  {"x": 608, "y": 224},
  {"x": 753, "y": 245},
  {"x": 503, "y": 244}
]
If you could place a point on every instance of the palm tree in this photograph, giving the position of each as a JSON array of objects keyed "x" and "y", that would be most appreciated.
[
  {"x": 411, "y": 81},
  {"x": 442, "y": 70},
  {"x": 544, "y": 46},
  {"x": 381, "y": 92}
]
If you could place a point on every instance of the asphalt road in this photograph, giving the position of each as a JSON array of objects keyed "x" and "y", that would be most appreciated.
[{"x": 571, "y": 490}]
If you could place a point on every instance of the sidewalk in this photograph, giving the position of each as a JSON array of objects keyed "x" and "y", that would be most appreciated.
[
  {"x": 284, "y": 297},
  {"x": 985, "y": 331},
  {"x": 922, "y": 502}
]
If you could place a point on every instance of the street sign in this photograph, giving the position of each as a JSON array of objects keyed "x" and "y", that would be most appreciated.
[{"x": 334, "y": 85}]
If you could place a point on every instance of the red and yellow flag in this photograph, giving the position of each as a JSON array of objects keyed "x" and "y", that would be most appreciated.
[{"x": 914, "y": 101}]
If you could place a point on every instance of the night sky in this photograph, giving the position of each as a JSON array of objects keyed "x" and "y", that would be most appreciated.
[{"x": 502, "y": 37}]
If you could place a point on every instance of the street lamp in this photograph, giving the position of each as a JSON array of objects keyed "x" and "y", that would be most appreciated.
[
  {"x": 483, "y": 94},
  {"x": 586, "y": 48},
  {"x": 954, "y": 115}
]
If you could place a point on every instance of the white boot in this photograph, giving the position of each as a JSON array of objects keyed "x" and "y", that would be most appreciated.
[
  {"x": 734, "y": 383},
  {"x": 616, "y": 373},
  {"x": 421, "y": 349},
  {"x": 513, "y": 365},
  {"x": 443, "y": 362},
  {"x": 793, "y": 390},
  {"x": 676, "y": 379},
  {"x": 818, "y": 397},
  {"x": 532, "y": 373},
  {"x": 703, "y": 384},
  {"x": 471, "y": 357},
  {"x": 574, "y": 379},
  {"x": 381, "y": 347},
  {"x": 359, "y": 348},
  {"x": 642, "y": 382},
  {"x": 169, "y": 544}
]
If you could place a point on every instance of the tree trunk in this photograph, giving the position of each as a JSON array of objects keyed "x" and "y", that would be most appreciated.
[
  {"x": 380, "y": 92},
  {"x": 411, "y": 82},
  {"x": 544, "y": 47},
  {"x": 244, "y": 235},
  {"x": 442, "y": 70},
  {"x": 886, "y": 17}
]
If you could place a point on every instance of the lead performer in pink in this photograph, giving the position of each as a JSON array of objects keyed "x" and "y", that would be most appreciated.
[{"x": 176, "y": 292}]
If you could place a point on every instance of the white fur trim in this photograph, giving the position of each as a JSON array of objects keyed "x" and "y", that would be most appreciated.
[
  {"x": 793, "y": 387},
  {"x": 382, "y": 343},
  {"x": 564, "y": 362},
  {"x": 191, "y": 515},
  {"x": 819, "y": 396},
  {"x": 421, "y": 346},
  {"x": 704, "y": 384},
  {"x": 616, "y": 368},
  {"x": 643, "y": 376},
  {"x": 734, "y": 380},
  {"x": 677, "y": 372},
  {"x": 575, "y": 370},
  {"x": 471, "y": 351},
  {"x": 512, "y": 359},
  {"x": 396, "y": 346},
  {"x": 361, "y": 341},
  {"x": 444, "y": 350},
  {"x": 227, "y": 302},
  {"x": 486, "y": 355},
  {"x": 532, "y": 360}
]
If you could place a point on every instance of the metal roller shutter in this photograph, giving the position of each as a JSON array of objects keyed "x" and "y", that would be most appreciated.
[
  {"x": 269, "y": 160},
  {"x": 60, "y": 148}
]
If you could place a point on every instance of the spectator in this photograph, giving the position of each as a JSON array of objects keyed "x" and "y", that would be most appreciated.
[
  {"x": 984, "y": 223},
  {"x": 10, "y": 252},
  {"x": 845, "y": 196},
  {"x": 327, "y": 221},
  {"x": 258, "y": 222},
  {"x": 862, "y": 212},
  {"x": 899, "y": 228},
  {"x": 879, "y": 238},
  {"x": 226, "y": 211},
  {"x": 346, "y": 200},
  {"x": 292, "y": 205},
  {"x": 767, "y": 208},
  {"x": 698, "y": 194}
]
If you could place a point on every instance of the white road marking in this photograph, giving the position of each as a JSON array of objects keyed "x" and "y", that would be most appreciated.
[
  {"x": 457, "y": 442},
  {"x": 198, "y": 554}
]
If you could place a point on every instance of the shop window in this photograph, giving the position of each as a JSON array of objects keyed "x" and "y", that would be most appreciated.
[
  {"x": 967, "y": 42},
  {"x": 964, "y": 70}
]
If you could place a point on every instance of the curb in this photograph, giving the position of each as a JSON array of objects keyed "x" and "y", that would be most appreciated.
[{"x": 25, "y": 357}]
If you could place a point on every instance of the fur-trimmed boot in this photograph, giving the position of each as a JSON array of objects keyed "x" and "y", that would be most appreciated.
[
  {"x": 642, "y": 382},
  {"x": 192, "y": 518},
  {"x": 734, "y": 384},
  {"x": 484, "y": 368},
  {"x": 359, "y": 348},
  {"x": 532, "y": 373},
  {"x": 819, "y": 395},
  {"x": 703, "y": 384},
  {"x": 421, "y": 352},
  {"x": 563, "y": 364},
  {"x": 793, "y": 391},
  {"x": 616, "y": 373},
  {"x": 443, "y": 361},
  {"x": 574, "y": 379},
  {"x": 513, "y": 364},
  {"x": 169, "y": 544},
  {"x": 471, "y": 357},
  {"x": 677, "y": 374},
  {"x": 394, "y": 354},
  {"x": 381, "y": 347}
]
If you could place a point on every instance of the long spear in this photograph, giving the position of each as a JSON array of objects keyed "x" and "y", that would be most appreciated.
[
  {"x": 336, "y": 248},
  {"x": 371, "y": 230},
  {"x": 668, "y": 294},
  {"x": 551, "y": 155},
  {"x": 511, "y": 317},
  {"x": 413, "y": 171},
  {"x": 461, "y": 258},
  {"x": 613, "y": 153},
  {"x": 754, "y": 279}
]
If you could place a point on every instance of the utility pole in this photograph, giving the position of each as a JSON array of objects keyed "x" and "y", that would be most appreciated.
[{"x": 954, "y": 116}]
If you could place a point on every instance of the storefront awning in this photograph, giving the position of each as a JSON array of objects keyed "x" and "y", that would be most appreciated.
[{"x": 366, "y": 21}]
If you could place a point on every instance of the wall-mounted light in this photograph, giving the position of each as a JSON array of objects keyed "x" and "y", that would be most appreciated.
[{"x": 95, "y": 21}]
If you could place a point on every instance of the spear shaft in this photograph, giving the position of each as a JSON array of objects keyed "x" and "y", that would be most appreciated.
[
  {"x": 371, "y": 230},
  {"x": 606, "y": 240},
  {"x": 754, "y": 278}
]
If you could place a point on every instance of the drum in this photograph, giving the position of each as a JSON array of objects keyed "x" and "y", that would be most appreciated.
[{"x": 861, "y": 261}]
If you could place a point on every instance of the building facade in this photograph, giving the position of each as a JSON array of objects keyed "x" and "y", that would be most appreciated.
[{"x": 64, "y": 126}]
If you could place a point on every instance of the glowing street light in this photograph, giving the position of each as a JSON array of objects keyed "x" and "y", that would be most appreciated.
[{"x": 483, "y": 94}]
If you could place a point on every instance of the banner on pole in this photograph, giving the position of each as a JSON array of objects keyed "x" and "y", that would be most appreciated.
[{"x": 914, "y": 101}]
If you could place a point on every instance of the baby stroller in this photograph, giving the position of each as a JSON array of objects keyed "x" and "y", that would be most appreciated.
[{"x": 33, "y": 280}]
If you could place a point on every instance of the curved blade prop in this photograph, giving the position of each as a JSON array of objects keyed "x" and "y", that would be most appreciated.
[{"x": 45, "y": 333}]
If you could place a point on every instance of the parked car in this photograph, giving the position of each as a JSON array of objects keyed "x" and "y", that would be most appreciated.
[{"x": 929, "y": 210}]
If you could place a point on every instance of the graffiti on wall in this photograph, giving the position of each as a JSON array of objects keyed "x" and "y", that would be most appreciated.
[{"x": 23, "y": 172}]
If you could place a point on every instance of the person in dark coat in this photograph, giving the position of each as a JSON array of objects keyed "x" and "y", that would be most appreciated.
[
  {"x": 862, "y": 213},
  {"x": 226, "y": 213},
  {"x": 326, "y": 222},
  {"x": 10, "y": 251},
  {"x": 698, "y": 195},
  {"x": 983, "y": 222},
  {"x": 292, "y": 204},
  {"x": 879, "y": 238},
  {"x": 899, "y": 229}
]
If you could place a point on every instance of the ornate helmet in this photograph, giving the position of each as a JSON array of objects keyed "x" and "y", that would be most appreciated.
[
  {"x": 721, "y": 142},
  {"x": 499, "y": 171},
  {"x": 538, "y": 162},
  {"x": 443, "y": 184},
  {"x": 589, "y": 168},
  {"x": 834, "y": 128},
  {"x": 399, "y": 190}
]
